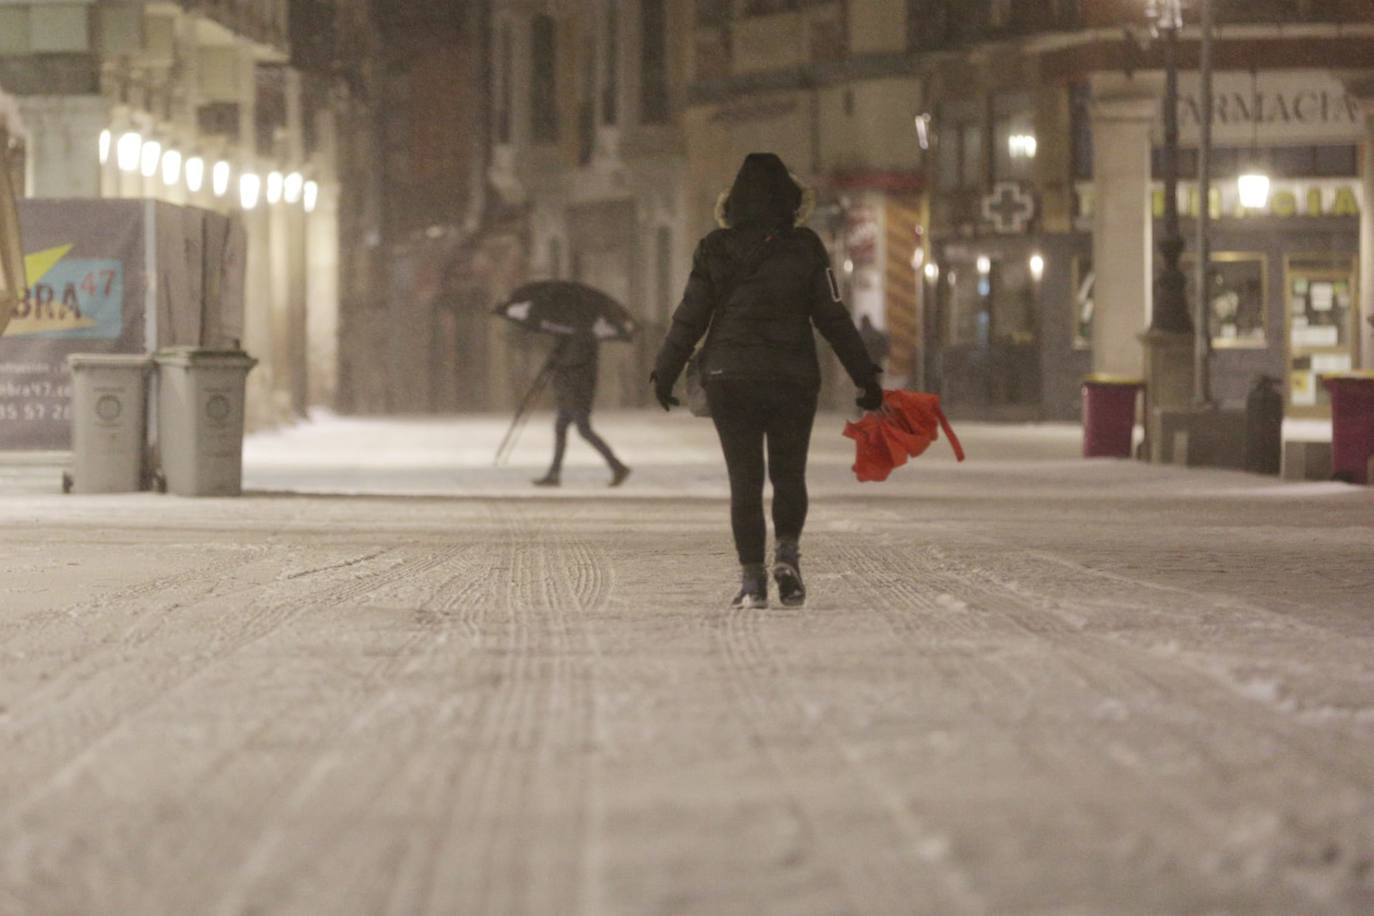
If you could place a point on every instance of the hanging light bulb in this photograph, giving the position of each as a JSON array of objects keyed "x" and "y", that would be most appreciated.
[
  {"x": 311, "y": 195},
  {"x": 1253, "y": 183},
  {"x": 932, "y": 271},
  {"x": 275, "y": 183},
  {"x": 106, "y": 138},
  {"x": 250, "y": 188},
  {"x": 984, "y": 264},
  {"x": 1037, "y": 266},
  {"x": 129, "y": 149},
  {"x": 171, "y": 167},
  {"x": 149, "y": 158},
  {"x": 294, "y": 187},
  {"x": 1254, "y": 190},
  {"x": 195, "y": 174},
  {"x": 219, "y": 179}
]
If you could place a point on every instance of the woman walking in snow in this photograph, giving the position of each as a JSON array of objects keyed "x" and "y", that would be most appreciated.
[{"x": 759, "y": 284}]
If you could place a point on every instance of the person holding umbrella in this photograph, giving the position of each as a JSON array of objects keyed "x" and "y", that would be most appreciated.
[
  {"x": 579, "y": 318},
  {"x": 758, "y": 286},
  {"x": 574, "y": 366}
]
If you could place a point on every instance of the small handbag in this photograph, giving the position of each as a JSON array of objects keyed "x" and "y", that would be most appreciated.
[{"x": 697, "y": 402}]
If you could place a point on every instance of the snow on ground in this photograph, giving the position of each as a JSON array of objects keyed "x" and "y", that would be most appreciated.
[{"x": 1026, "y": 684}]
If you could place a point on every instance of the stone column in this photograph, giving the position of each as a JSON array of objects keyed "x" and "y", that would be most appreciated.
[
  {"x": 1122, "y": 117},
  {"x": 322, "y": 311},
  {"x": 1365, "y": 93}
]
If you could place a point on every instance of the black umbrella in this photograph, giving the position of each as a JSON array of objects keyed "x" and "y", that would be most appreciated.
[{"x": 564, "y": 308}]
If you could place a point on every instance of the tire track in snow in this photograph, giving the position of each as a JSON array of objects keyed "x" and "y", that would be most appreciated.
[
  {"x": 300, "y": 839},
  {"x": 517, "y": 826},
  {"x": 476, "y": 840},
  {"x": 94, "y": 726},
  {"x": 172, "y": 590},
  {"x": 466, "y": 605}
]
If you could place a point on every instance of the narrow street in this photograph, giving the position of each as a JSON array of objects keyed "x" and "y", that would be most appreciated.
[{"x": 395, "y": 679}]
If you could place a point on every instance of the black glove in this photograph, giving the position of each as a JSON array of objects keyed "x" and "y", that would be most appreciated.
[
  {"x": 663, "y": 393},
  {"x": 872, "y": 398}
]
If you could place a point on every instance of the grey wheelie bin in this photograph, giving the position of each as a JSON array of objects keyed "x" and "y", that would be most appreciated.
[
  {"x": 200, "y": 420},
  {"x": 109, "y": 421}
]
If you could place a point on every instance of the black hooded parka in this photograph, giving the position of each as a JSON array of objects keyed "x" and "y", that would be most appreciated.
[{"x": 761, "y": 329}]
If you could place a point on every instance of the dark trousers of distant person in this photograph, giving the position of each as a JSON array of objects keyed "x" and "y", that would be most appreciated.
[
  {"x": 582, "y": 419},
  {"x": 756, "y": 420}
]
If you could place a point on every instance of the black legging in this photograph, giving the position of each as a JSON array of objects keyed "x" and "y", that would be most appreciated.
[
  {"x": 747, "y": 414},
  {"x": 582, "y": 419}
]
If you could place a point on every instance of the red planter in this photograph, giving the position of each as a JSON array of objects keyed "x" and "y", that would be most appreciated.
[{"x": 1109, "y": 416}]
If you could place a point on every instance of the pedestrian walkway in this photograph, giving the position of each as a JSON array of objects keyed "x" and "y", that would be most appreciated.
[{"x": 1028, "y": 683}]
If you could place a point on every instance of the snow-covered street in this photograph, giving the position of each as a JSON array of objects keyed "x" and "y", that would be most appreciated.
[{"x": 1024, "y": 684}]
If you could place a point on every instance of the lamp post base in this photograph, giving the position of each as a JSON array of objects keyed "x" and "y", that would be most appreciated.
[{"x": 1169, "y": 374}]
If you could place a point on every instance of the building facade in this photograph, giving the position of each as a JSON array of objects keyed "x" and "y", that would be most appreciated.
[
  {"x": 1047, "y": 198},
  {"x": 212, "y": 105},
  {"x": 586, "y": 180}
]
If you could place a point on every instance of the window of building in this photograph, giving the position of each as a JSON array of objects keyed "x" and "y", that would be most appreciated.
[
  {"x": 991, "y": 300},
  {"x": 586, "y": 104},
  {"x": 928, "y": 23},
  {"x": 971, "y": 168},
  {"x": 960, "y": 160},
  {"x": 653, "y": 62},
  {"x": 610, "y": 78},
  {"x": 1081, "y": 130},
  {"x": 543, "y": 80},
  {"x": 1237, "y": 286},
  {"x": 767, "y": 7},
  {"x": 505, "y": 90},
  {"x": 713, "y": 12},
  {"x": 967, "y": 294},
  {"x": 1014, "y": 140},
  {"x": 1012, "y": 310}
]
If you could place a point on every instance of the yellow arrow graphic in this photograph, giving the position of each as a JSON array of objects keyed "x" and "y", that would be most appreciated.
[{"x": 38, "y": 264}]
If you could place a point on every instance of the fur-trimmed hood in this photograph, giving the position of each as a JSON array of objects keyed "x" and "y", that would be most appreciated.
[
  {"x": 808, "y": 206},
  {"x": 764, "y": 192}
]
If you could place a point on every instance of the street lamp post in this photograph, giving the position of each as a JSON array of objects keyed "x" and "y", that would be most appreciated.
[
  {"x": 1170, "y": 313},
  {"x": 1171, "y": 340},
  {"x": 1202, "y": 341}
]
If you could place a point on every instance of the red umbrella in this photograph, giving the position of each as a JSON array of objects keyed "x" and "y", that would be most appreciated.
[{"x": 906, "y": 426}]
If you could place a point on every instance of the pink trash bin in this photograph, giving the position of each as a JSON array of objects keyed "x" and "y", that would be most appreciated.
[
  {"x": 1109, "y": 415},
  {"x": 1352, "y": 424}
]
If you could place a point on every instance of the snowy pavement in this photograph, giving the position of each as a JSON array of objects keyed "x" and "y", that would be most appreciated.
[{"x": 1025, "y": 684}]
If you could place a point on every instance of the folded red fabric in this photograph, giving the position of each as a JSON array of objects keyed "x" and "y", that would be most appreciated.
[{"x": 906, "y": 426}]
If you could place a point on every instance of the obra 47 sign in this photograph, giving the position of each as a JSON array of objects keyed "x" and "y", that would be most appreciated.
[
  {"x": 1287, "y": 199},
  {"x": 70, "y": 298}
]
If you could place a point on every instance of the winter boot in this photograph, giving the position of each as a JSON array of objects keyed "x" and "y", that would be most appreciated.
[
  {"x": 787, "y": 573},
  {"x": 753, "y": 589},
  {"x": 618, "y": 474}
]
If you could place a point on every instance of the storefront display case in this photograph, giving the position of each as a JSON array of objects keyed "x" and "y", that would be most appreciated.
[{"x": 1320, "y": 298}]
